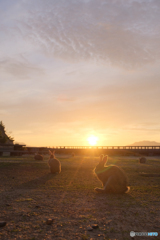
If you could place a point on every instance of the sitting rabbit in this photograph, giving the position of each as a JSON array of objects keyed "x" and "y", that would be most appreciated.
[
  {"x": 54, "y": 164},
  {"x": 112, "y": 177},
  {"x": 38, "y": 157},
  {"x": 142, "y": 160}
]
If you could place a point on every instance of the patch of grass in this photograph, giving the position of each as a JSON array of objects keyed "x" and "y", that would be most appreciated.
[
  {"x": 85, "y": 237},
  {"x": 152, "y": 212},
  {"x": 15, "y": 230},
  {"x": 112, "y": 230},
  {"x": 24, "y": 200}
]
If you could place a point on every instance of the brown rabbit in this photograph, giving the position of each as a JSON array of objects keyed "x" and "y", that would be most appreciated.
[
  {"x": 112, "y": 177},
  {"x": 142, "y": 160},
  {"x": 54, "y": 164},
  {"x": 38, "y": 157}
]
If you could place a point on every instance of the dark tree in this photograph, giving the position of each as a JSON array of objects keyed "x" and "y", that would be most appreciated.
[{"x": 4, "y": 137}]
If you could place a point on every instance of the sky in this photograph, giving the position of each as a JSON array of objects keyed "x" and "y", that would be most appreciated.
[{"x": 70, "y": 69}]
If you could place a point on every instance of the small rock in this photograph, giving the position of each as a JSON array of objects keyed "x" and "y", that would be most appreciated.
[
  {"x": 12, "y": 177},
  {"x": 89, "y": 228},
  {"x": 8, "y": 205},
  {"x": 49, "y": 221},
  {"x": 37, "y": 206},
  {"x": 2, "y": 224},
  {"x": 108, "y": 222},
  {"x": 95, "y": 226},
  {"x": 59, "y": 225}
]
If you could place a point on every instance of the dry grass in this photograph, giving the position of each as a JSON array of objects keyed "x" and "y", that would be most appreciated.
[{"x": 30, "y": 195}]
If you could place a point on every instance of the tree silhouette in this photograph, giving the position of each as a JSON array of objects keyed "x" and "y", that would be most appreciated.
[{"x": 4, "y": 137}]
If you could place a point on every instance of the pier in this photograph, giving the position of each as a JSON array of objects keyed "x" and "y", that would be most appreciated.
[{"x": 15, "y": 150}]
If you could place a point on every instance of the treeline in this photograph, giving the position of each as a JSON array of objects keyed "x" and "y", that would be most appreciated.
[{"x": 4, "y": 137}]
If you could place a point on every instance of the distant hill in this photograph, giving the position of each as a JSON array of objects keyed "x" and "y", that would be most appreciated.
[{"x": 145, "y": 143}]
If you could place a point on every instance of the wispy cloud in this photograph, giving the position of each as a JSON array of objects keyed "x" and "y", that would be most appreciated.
[
  {"x": 124, "y": 33},
  {"x": 19, "y": 69}
]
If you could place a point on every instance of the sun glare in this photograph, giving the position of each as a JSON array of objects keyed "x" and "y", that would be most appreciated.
[{"x": 92, "y": 140}]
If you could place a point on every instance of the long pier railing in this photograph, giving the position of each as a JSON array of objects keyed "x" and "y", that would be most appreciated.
[
  {"x": 95, "y": 150},
  {"x": 106, "y": 147},
  {"x": 110, "y": 150}
]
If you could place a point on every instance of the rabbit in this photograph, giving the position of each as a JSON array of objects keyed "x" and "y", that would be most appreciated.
[
  {"x": 112, "y": 177},
  {"x": 38, "y": 157},
  {"x": 142, "y": 160},
  {"x": 54, "y": 164},
  {"x": 72, "y": 154}
]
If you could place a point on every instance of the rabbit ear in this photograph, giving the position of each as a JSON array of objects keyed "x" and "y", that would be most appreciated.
[
  {"x": 105, "y": 159},
  {"x": 101, "y": 158},
  {"x": 50, "y": 152},
  {"x": 53, "y": 152}
]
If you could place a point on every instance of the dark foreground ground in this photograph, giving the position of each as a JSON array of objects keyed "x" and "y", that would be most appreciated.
[{"x": 29, "y": 195}]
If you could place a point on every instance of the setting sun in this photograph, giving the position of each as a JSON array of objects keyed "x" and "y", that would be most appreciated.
[{"x": 92, "y": 140}]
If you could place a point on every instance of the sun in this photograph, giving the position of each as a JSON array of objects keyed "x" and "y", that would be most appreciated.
[{"x": 92, "y": 140}]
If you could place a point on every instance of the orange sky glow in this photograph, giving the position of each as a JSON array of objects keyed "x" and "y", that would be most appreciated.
[{"x": 75, "y": 69}]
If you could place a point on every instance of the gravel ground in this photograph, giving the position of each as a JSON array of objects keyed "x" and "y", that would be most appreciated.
[{"x": 38, "y": 205}]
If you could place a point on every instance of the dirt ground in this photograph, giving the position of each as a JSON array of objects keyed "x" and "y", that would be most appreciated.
[{"x": 30, "y": 195}]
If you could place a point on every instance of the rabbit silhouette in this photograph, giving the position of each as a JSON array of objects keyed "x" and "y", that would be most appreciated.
[
  {"x": 54, "y": 164},
  {"x": 113, "y": 178}
]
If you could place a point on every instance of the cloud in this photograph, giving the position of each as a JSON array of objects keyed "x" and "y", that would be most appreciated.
[
  {"x": 19, "y": 69},
  {"x": 124, "y": 33}
]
